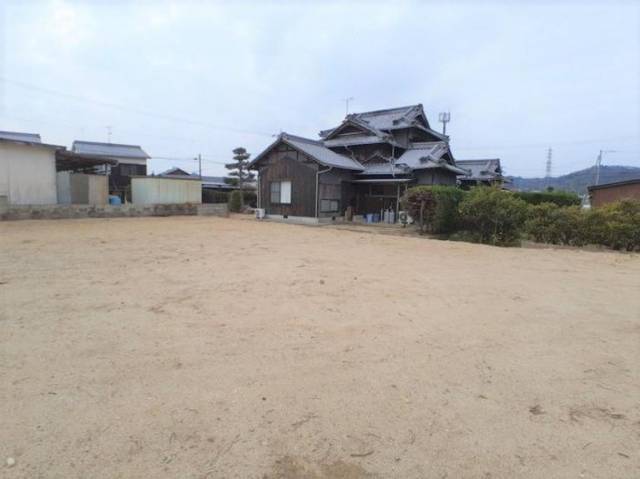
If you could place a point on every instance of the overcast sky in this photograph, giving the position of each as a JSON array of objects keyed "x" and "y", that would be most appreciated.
[{"x": 182, "y": 78}]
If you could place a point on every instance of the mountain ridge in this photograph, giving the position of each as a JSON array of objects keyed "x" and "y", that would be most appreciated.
[{"x": 576, "y": 181}]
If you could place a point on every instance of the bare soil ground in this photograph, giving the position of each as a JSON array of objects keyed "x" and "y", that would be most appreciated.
[{"x": 223, "y": 348}]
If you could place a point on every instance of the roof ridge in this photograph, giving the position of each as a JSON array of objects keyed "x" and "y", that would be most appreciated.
[
  {"x": 105, "y": 144},
  {"x": 285, "y": 136},
  {"x": 387, "y": 110}
]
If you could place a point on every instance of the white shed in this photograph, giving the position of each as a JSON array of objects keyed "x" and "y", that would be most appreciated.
[{"x": 27, "y": 169}]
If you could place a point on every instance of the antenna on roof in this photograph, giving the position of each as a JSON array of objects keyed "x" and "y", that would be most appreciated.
[
  {"x": 346, "y": 101},
  {"x": 444, "y": 118},
  {"x": 109, "y": 131}
]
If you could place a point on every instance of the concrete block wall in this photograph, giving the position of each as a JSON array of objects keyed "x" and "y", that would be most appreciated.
[{"x": 48, "y": 212}]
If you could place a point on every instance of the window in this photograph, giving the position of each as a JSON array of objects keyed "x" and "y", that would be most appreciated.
[
  {"x": 281, "y": 192},
  {"x": 127, "y": 170},
  {"x": 329, "y": 206}
]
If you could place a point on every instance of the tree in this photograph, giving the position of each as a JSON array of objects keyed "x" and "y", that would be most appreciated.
[{"x": 240, "y": 169}]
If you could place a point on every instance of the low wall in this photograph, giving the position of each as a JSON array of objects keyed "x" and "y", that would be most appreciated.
[{"x": 51, "y": 212}]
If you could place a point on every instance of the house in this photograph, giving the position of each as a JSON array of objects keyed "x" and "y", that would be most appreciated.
[
  {"x": 600, "y": 195},
  {"x": 365, "y": 163},
  {"x": 130, "y": 160},
  {"x": 27, "y": 169},
  {"x": 213, "y": 183},
  {"x": 480, "y": 172}
]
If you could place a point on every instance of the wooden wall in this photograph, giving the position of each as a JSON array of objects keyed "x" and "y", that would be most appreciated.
[
  {"x": 435, "y": 176},
  {"x": 287, "y": 164}
]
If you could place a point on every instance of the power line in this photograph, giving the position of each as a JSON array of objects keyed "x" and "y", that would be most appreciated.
[{"x": 30, "y": 86}]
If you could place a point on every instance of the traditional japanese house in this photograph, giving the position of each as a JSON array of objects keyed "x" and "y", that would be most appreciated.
[
  {"x": 481, "y": 172},
  {"x": 365, "y": 163}
]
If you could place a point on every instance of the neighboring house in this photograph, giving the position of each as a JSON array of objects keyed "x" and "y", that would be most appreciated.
[
  {"x": 27, "y": 169},
  {"x": 600, "y": 195},
  {"x": 213, "y": 183},
  {"x": 366, "y": 163},
  {"x": 131, "y": 160},
  {"x": 480, "y": 172}
]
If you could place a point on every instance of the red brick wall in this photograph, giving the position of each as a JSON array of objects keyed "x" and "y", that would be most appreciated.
[{"x": 604, "y": 196}]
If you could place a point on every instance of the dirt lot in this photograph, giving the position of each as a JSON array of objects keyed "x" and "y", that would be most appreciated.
[{"x": 208, "y": 347}]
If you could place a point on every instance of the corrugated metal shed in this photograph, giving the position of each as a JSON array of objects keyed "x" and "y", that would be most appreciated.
[{"x": 111, "y": 150}]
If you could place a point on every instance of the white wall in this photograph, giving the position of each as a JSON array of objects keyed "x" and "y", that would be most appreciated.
[
  {"x": 82, "y": 189},
  {"x": 157, "y": 190},
  {"x": 27, "y": 174}
]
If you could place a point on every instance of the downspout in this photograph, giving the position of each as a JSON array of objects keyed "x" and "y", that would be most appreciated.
[
  {"x": 259, "y": 199},
  {"x": 318, "y": 173}
]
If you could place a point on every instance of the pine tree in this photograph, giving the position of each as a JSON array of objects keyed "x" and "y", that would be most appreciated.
[{"x": 240, "y": 169}]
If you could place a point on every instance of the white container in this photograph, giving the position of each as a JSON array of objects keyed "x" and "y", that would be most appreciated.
[{"x": 260, "y": 213}]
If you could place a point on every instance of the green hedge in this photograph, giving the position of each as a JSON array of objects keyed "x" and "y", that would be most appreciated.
[
  {"x": 560, "y": 198},
  {"x": 493, "y": 216},
  {"x": 439, "y": 207},
  {"x": 616, "y": 225}
]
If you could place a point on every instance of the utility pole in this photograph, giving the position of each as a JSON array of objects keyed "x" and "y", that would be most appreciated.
[
  {"x": 599, "y": 163},
  {"x": 444, "y": 118},
  {"x": 199, "y": 160},
  {"x": 548, "y": 168},
  {"x": 109, "y": 131},
  {"x": 346, "y": 101}
]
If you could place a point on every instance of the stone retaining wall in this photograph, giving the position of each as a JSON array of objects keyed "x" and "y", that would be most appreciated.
[{"x": 50, "y": 212}]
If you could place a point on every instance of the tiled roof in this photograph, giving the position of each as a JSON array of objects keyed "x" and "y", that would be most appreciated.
[
  {"x": 485, "y": 169},
  {"x": 111, "y": 150},
  {"x": 314, "y": 149},
  {"x": 428, "y": 155},
  {"x": 391, "y": 118}
]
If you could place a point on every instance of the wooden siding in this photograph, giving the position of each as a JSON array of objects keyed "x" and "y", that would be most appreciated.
[
  {"x": 287, "y": 164},
  {"x": 435, "y": 176},
  {"x": 335, "y": 185}
]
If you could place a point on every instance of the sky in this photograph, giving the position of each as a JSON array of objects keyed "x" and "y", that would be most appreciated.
[{"x": 182, "y": 78}]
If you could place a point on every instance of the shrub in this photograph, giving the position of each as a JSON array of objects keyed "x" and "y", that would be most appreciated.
[
  {"x": 434, "y": 207},
  {"x": 616, "y": 225},
  {"x": 493, "y": 216},
  {"x": 235, "y": 201},
  {"x": 621, "y": 229},
  {"x": 559, "y": 198},
  {"x": 549, "y": 223}
]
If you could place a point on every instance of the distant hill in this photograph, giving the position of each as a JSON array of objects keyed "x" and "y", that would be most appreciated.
[{"x": 576, "y": 181}]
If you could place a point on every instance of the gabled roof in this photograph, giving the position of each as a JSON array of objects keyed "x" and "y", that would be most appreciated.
[
  {"x": 483, "y": 169},
  {"x": 428, "y": 155},
  {"x": 393, "y": 118},
  {"x": 17, "y": 136},
  {"x": 111, "y": 150},
  {"x": 382, "y": 121},
  {"x": 314, "y": 149},
  {"x": 350, "y": 120},
  {"x": 174, "y": 171}
]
